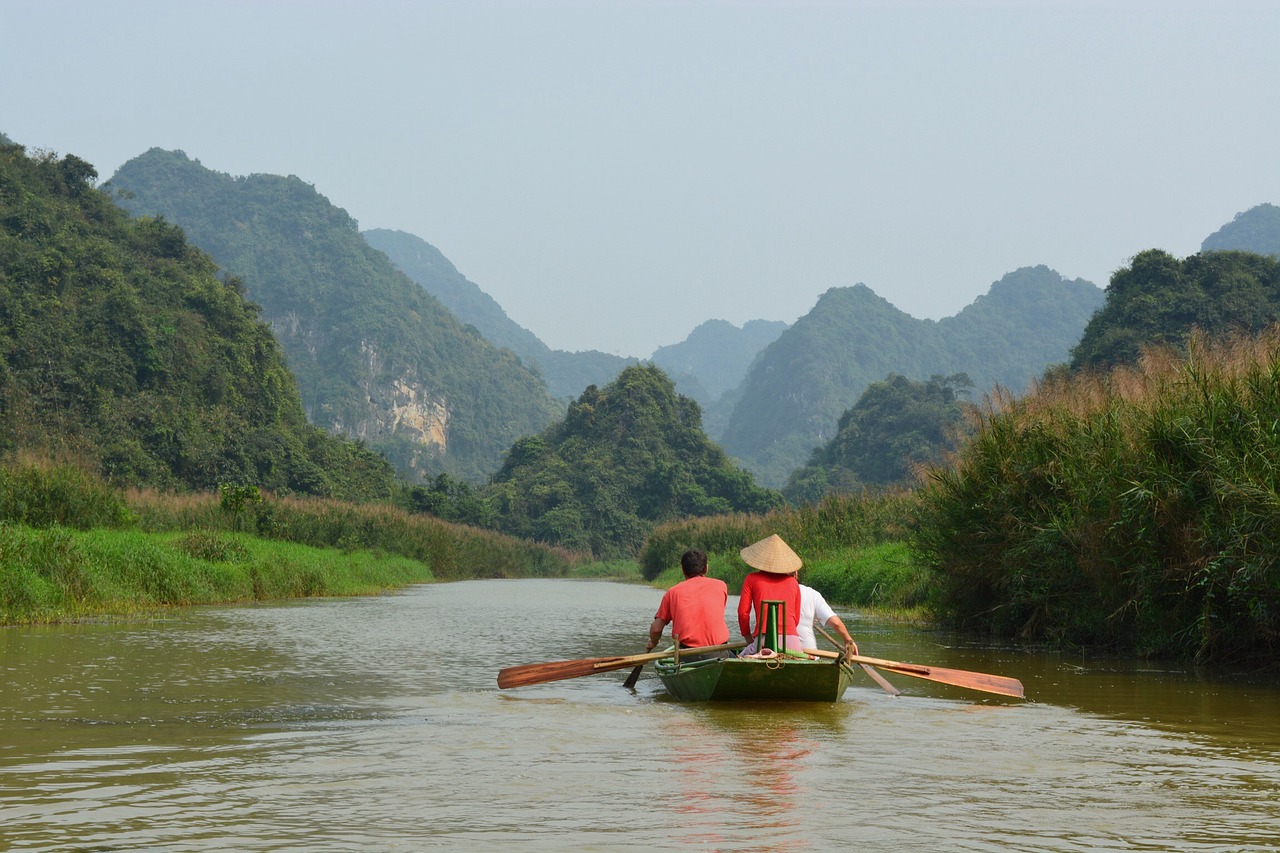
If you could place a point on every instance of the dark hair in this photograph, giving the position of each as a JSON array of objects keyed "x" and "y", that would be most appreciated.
[{"x": 693, "y": 563}]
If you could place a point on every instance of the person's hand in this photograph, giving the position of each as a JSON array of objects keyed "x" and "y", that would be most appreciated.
[
  {"x": 851, "y": 648},
  {"x": 649, "y": 646}
]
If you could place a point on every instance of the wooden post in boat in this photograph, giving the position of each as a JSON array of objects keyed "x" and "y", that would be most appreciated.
[{"x": 767, "y": 630}]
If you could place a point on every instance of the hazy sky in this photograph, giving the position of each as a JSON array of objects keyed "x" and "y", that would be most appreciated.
[{"x": 615, "y": 173}]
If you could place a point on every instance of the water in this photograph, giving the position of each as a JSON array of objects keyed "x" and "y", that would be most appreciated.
[{"x": 375, "y": 724}]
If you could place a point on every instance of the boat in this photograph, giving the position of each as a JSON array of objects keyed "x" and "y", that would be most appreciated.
[
  {"x": 768, "y": 676},
  {"x": 775, "y": 678}
]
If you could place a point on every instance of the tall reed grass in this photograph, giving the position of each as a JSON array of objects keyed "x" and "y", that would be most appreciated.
[
  {"x": 1138, "y": 510},
  {"x": 453, "y": 551},
  {"x": 852, "y": 547},
  {"x": 40, "y": 492}
]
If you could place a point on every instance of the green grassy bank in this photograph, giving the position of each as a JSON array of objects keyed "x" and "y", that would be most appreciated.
[
  {"x": 72, "y": 548},
  {"x": 59, "y": 574}
]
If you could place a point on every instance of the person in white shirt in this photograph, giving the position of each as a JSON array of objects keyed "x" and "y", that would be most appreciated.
[{"x": 814, "y": 606}]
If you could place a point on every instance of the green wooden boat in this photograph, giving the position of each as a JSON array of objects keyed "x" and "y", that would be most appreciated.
[{"x": 778, "y": 679}]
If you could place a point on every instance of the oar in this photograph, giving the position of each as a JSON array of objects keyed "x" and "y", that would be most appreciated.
[
  {"x": 866, "y": 667},
  {"x": 539, "y": 673},
  {"x": 983, "y": 681}
]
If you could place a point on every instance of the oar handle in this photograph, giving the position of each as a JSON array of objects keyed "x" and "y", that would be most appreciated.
[
  {"x": 623, "y": 662},
  {"x": 887, "y": 664}
]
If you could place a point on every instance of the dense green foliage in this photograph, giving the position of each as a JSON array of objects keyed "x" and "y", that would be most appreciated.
[
  {"x": 1136, "y": 510},
  {"x": 896, "y": 426},
  {"x": 41, "y": 495},
  {"x": 1255, "y": 230},
  {"x": 121, "y": 348},
  {"x": 566, "y": 373},
  {"x": 714, "y": 359},
  {"x": 625, "y": 457},
  {"x": 1159, "y": 300},
  {"x": 375, "y": 355},
  {"x": 796, "y": 391}
]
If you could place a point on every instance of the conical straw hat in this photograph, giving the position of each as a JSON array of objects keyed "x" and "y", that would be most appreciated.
[{"x": 771, "y": 555}]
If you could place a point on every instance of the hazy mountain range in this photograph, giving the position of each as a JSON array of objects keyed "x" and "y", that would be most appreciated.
[{"x": 770, "y": 393}]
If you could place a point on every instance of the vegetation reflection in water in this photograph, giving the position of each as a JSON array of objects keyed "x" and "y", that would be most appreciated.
[{"x": 368, "y": 724}]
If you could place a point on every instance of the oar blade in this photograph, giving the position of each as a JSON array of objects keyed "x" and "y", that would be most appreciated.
[
  {"x": 983, "y": 681},
  {"x": 556, "y": 670}
]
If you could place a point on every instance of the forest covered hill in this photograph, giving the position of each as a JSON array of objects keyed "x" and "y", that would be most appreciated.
[
  {"x": 376, "y": 356},
  {"x": 626, "y": 456},
  {"x": 122, "y": 350},
  {"x": 800, "y": 385},
  {"x": 566, "y": 373}
]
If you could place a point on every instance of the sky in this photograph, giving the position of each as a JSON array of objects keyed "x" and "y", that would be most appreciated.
[{"x": 616, "y": 173}]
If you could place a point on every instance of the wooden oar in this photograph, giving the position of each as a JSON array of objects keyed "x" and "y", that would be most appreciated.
[
  {"x": 558, "y": 670},
  {"x": 866, "y": 667},
  {"x": 983, "y": 681}
]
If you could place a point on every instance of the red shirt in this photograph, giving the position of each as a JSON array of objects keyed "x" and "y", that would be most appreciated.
[
  {"x": 695, "y": 609},
  {"x": 767, "y": 586}
]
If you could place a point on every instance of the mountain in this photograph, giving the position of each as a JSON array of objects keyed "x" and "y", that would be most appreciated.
[
  {"x": 376, "y": 356},
  {"x": 1255, "y": 230},
  {"x": 566, "y": 373},
  {"x": 625, "y": 457},
  {"x": 798, "y": 387},
  {"x": 121, "y": 348},
  {"x": 714, "y": 359}
]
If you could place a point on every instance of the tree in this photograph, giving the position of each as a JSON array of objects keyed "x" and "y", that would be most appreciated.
[
  {"x": 1158, "y": 299},
  {"x": 625, "y": 457},
  {"x": 896, "y": 425}
]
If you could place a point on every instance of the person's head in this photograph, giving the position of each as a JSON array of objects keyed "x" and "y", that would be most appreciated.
[{"x": 693, "y": 563}]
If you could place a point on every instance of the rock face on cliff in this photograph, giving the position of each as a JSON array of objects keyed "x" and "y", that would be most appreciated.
[{"x": 376, "y": 356}]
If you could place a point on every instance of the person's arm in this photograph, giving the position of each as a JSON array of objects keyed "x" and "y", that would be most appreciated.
[
  {"x": 744, "y": 609},
  {"x": 655, "y": 633},
  {"x": 849, "y": 644}
]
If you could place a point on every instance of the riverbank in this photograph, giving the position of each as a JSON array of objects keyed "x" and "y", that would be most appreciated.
[{"x": 63, "y": 575}]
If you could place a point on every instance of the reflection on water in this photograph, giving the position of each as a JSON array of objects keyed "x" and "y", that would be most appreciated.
[
  {"x": 359, "y": 725},
  {"x": 765, "y": 749}
]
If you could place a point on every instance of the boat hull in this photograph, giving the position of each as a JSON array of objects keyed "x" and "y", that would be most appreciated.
[{"x": 746, "y": 679}]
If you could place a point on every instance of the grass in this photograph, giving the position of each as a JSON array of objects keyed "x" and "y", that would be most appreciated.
[{"x": 58, "y": 574}]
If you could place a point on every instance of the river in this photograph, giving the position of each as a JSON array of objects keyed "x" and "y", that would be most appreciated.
[{"x": 373, "y": 724}]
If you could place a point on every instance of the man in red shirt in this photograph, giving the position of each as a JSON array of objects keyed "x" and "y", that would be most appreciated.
[{"x": 694, "y": 607}]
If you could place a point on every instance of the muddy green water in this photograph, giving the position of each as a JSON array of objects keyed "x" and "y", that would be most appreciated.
[{"x": 375, "y": 724}]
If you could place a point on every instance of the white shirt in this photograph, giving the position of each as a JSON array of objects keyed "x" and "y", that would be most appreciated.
[{"x": 812, "y": 605}]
